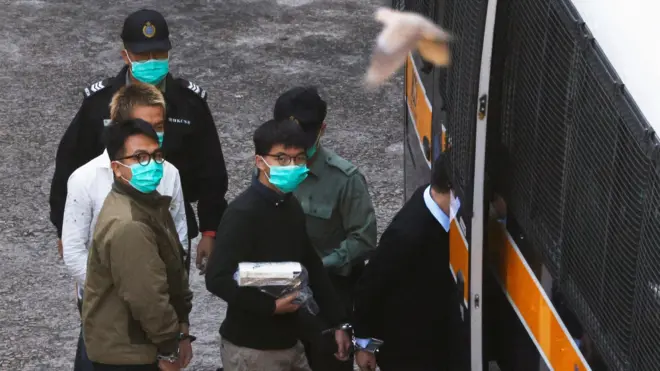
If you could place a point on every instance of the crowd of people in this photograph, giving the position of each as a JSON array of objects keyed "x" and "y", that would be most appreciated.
[{"x": 143, "y": 147}]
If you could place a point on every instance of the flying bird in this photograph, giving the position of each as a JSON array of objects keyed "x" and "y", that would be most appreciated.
[{"x": 402, "y": 33}]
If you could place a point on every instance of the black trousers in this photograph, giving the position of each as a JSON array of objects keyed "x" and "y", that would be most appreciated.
[
  {"x": 320, "y": 353},
  {"x": 103, "y": 367}
]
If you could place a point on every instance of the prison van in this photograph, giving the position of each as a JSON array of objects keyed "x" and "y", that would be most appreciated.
[{"x": 548, "y": 110}]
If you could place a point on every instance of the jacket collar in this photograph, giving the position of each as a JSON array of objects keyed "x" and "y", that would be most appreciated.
[
  {"x": 435, "y": 210},
  {"x": 153, "y": 199},
  {"x": 270, "y": 195},
  {"x": 102, "y": 161},
  {"x": 317, "y": 166}
]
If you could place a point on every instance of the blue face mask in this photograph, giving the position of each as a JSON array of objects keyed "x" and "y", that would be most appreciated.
[
  {"x": 152, "y": 71},
  {"x": 145, "y": 178},
  {"x": 287, "y": 178},
  {"x": 160, "y": 138}
]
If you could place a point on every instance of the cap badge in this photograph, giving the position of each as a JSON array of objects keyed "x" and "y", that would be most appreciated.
[
  {"x": 292, "y": 118},
  {"x": 149, "y": 30}
]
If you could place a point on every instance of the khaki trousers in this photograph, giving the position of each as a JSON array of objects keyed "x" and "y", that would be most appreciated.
[{"x": 235, "y": 358}]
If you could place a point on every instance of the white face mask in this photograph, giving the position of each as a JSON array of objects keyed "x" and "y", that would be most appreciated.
[{"x": 454, "y": 205}]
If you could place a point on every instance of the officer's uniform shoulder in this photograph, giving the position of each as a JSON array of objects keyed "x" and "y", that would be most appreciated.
[
  {"x": 337, "y": 162},
  {"x": 96, "y": 88},
  {"x": 192, "y": 88}
]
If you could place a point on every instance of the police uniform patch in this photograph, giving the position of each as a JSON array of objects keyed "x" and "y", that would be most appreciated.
[
  {"x": 95, "y": 88},
  {"x": 194, "y": 88},
  {"x": 149, "y": 30}
]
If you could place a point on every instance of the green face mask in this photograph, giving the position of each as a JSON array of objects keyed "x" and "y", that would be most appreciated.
[{"x": 311, "y": 151}]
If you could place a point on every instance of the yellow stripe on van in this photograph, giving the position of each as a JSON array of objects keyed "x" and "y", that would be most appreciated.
[{"x": 418, "y": 103}]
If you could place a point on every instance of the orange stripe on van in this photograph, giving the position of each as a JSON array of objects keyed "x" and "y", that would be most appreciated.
[
  {"x": 420, "y": 109},
  {"x": 459, "y": 256},
  {"x": 527, "y": 296}
]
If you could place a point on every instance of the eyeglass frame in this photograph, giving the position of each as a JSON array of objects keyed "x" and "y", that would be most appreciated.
[
  {"x": 151, "y": 157},
  {"x": 292, "y": 159}
]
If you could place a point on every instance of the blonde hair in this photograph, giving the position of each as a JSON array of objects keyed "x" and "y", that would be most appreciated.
[{"x": 130, "y": 96}]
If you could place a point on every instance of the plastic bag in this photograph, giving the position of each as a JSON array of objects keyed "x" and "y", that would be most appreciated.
[{"x": 279, "y": 280}]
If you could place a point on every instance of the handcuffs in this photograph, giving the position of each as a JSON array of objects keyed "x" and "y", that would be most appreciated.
[
  {"x": 174, "y": 356},
  {"x": 371, "y": 345}
]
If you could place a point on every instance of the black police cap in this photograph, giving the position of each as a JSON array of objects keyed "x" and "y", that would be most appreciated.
[
  {"x": 146, "y": 31},
  {"x": 305, "y": 106}
]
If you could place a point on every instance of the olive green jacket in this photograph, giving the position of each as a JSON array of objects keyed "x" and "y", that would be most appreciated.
[
  {"x": 341, "y": 221},
  {"x": 136, "y": 291}
]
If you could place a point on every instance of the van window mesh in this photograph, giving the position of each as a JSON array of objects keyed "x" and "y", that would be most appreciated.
[{"x": 581, "y": 176}]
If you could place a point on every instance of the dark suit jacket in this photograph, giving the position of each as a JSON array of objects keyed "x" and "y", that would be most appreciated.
[{"x": 407, "y": 292}]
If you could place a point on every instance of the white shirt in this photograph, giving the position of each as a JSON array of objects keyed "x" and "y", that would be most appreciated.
[
  {"x": 87, "y": 189},
  {"x": 435, "y": 210}
]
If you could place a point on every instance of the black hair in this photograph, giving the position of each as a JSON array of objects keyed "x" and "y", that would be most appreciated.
[
  {"x": 304, "y": 104},
  {"x": 271, "y": 133},
  {"x": 441, "y": 173},
  {"x": 116, "y": 134}
]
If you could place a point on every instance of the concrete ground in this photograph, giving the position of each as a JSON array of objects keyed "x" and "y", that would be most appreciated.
[{"x": 244, "y": 52}]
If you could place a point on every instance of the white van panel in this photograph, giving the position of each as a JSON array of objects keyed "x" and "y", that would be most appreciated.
[{"x": 627, "y": 31}]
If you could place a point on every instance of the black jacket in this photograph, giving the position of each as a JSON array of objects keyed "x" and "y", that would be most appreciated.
[
  {"x": 191, "y": 144},
  {"x": 404, "y": 295},
  {"x": 263, "y": 226}
]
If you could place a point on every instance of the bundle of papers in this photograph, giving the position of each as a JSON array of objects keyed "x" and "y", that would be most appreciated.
[{"x": 278, "y": 279}]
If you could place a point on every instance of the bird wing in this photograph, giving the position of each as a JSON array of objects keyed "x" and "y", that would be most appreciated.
[{"x": 393, "y": 44}]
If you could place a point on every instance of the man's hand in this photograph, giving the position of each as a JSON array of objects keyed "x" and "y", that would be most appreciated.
[
  {"x": 366, "y": 361},
  {"x": 185, "y": 353},
  {"x": 59, "y": 248},
  {"x": 284, "y": 305},
  {"x": 185, "y": 347},
  {"x": 204, "y": 248},
  {"x": 166, "y": 366},
  {"x": 343, "y": 345}
]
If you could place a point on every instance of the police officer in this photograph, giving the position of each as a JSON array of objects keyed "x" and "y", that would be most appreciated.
[
  {"x": 190, "y": 140},
  {"x": 340, "y": 216}
]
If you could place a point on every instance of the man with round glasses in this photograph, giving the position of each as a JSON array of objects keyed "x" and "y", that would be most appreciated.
[
  {"x": 90, "y": 184},
  {"x": 137, "y": 297}
]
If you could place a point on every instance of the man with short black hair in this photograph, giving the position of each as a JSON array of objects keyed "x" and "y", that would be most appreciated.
[
  {"x": 403, "y": 298},
  {"x": 341, "y": 221},
  {"x": 137, "y": 299},
  {"x": 190, "y": 139},
  {"x": 265, "y": 223}
]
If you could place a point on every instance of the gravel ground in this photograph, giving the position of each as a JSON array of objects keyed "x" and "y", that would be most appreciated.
[{"x": 244, "y": 52}]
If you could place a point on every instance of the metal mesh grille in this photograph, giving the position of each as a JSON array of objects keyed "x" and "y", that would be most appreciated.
[
  {"x": 535, "y": 111},
  {"x": 580, "y": 178},
  {"x": 645, "y": 354},
  {"x": 460, "y": 88},
  {"x": 424, "y": 7}
]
